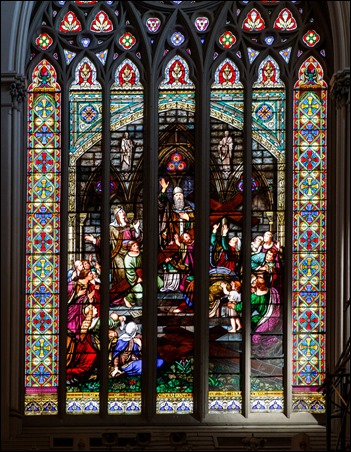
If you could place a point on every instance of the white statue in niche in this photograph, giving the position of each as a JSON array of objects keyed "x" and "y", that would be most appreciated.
[
  {"x": 127, "y": 147},
  {"x": 225, "y": 150}
]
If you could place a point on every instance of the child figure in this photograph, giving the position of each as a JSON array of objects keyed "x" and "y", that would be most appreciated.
[{"x": 234, "y": 296}]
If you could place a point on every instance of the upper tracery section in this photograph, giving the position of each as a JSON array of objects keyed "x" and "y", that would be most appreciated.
[{"x": 146, "y": 32}]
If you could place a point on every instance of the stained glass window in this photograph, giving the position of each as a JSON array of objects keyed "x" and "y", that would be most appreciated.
[
  {"x": 175, "y": 282},
  {"x": 43, "y": 240},
  {"x": 126, "y": 239},
  {"x": 309, "y": 246},
  {"x": 83, "y": 271},
  {"x": 225, "y": 260},
  {"x": 176, "y": 210}
]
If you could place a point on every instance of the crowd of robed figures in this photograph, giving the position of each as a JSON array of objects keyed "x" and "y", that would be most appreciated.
[{"x": 176, "y": 274}]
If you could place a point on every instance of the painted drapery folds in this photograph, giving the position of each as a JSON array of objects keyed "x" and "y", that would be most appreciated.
[
  {"x": 176, "y": 260},
  {"x": 94, "y": 68}
]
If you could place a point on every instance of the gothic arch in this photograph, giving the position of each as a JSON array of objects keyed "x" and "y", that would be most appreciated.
[{"x": 16, "y": 17}]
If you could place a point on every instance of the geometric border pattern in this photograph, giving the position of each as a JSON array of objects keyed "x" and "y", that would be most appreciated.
[
  {"x": 43, "y": 241},
  {"x": 309, "y": 234}
]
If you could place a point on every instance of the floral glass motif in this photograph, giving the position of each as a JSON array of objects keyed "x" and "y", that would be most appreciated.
[
  {"x": 285, "y": 21},
  {"x": 70, "y": 23},
  {"x": 69, "y": 56},
  {"x": 101, "y": 23},
  {"x": 176, "y": 162},
  {"x": 253, "y": 21},
  {"x": 227, "y": 75},
  {"x": 269, "y": 40},
  {"x": 227, "y": 39},
  {"x": 85, "y": 42},
  {"x": 268, "y": 74},
  {"x": 102, "y": 56},
  {"x": 177, "y": 38},
  {"x": 127, "y": 40},
  {"x": 201, "y": 23},
  {"x": 264, "y": 112},
  {"x": 285, "y": 54},
  {"x": 88, "y": 114},
  {"x": 176, "y": 74},
  {"x": 153, "y": 24},
  {"x": 85, "y": 75},
  {"x": 311, "y": 38},
  {"x": 127, "y": 75},
  {"x": 252, "y": 54},
  {"x": 44, "y": 41}
]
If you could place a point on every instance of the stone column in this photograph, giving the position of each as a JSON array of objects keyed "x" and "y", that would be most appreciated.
[
  {"x": 338, "y": 244},
  {"x": 338, "y": 248},
  {"x": 13, "y": 159}
]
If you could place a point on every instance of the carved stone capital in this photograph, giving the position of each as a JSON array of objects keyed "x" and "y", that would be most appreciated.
[
  {"x": 18, "y": 91},
  {"x": 340, "y": 88}
]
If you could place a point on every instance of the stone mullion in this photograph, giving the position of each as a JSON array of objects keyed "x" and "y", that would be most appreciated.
[
  {"x": 13, "y": 171},
  {"x": 339, "y": 216}
]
